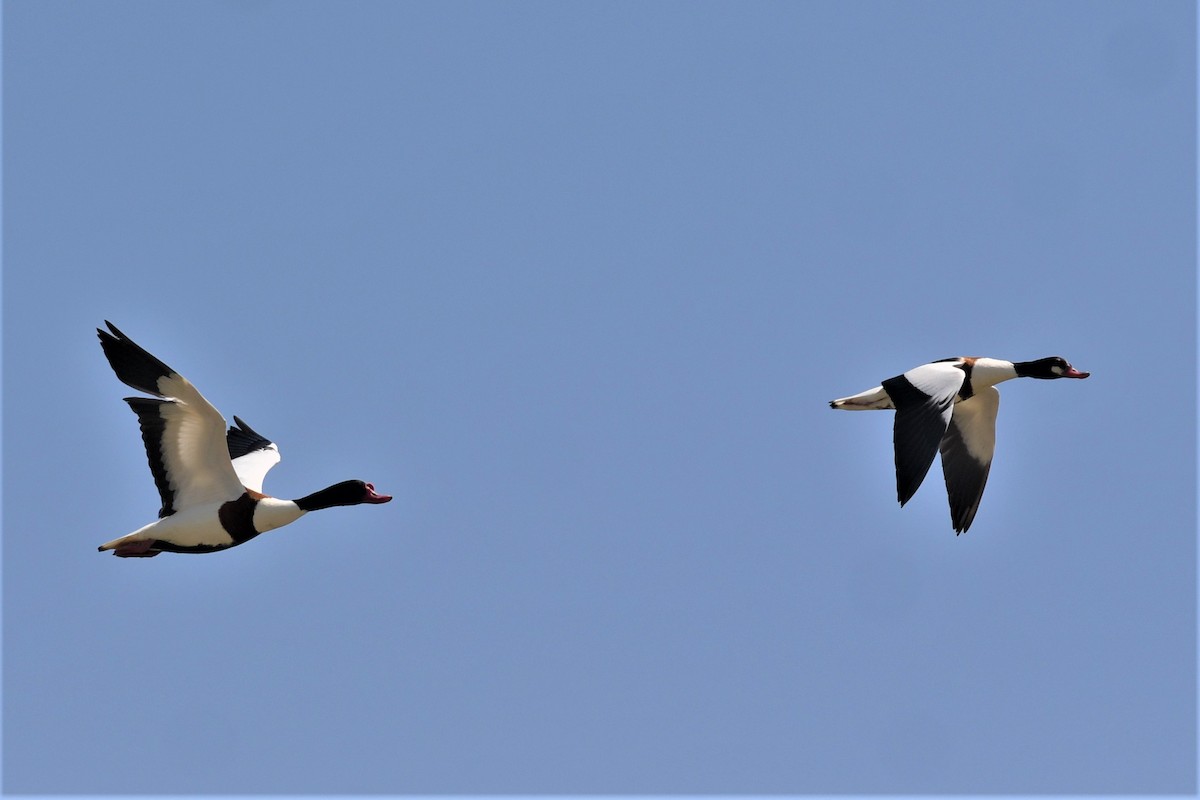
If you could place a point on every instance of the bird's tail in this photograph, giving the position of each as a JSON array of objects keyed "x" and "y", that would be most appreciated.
[
  {"x": 870, "y": 400},
  {"x": 129, "y": 546}
]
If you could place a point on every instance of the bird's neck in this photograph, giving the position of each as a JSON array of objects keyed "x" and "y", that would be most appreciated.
[
  {"x": 990, "y": 371},
  {"x": 340, "y": 494},
  {"x": 271, "y": 513}
]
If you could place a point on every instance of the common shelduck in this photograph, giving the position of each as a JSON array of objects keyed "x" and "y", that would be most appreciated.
[
  {"x": 950, "y": 405},
  {"x": 210, "y": 481}
]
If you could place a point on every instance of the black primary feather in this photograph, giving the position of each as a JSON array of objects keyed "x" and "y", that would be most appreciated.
[
  {"x": 965, "y": 476},
  {"x": 243, "y": 439},
  {"x": 149, "y": 414},
  {"x": 920, "y": 425},
  {"x": 133, "y": 365}
]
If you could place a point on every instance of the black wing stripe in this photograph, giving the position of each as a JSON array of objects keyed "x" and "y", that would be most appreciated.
[
  {"x": 133, "y": 365},
  {"x": 153, "y": 427},
  {"x": 920, "y": 425},
  {"x": 966, "y": 478},
  {"x": 243, "y": 439}
]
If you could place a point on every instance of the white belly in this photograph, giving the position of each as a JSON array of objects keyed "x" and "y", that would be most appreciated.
[{"x": 197, "y": 526}]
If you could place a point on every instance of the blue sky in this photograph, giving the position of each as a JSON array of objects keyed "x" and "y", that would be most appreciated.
[{"x": 575, "y": 283}]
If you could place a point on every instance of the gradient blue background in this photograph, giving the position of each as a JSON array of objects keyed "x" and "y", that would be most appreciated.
[{"x": 575, "y": 281}]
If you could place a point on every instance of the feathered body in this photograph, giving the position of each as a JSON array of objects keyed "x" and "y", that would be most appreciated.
[
  {"x": 950, "y": 406},
  {"x": 209, "y": 479}
]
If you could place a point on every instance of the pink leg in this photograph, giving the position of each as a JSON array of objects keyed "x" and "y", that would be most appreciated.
[{"x": 136, "y": 549}]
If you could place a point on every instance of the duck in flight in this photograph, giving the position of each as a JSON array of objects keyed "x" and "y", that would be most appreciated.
[
  {"x": 950, "y": 405},
  {"x": 210, "y": 480}
]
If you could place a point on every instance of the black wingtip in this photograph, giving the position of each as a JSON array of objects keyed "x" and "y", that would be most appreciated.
[
  {"x": 133, "y": 365},
  {"x": 242, "y": 427},
  {"x": 113, "y": 332},
  {"x": 243, "y": 439},
  {"x": 907, "y": 489}
]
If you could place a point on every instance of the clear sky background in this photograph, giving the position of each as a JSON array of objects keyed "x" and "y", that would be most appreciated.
[{"x": 575, "y": 282}]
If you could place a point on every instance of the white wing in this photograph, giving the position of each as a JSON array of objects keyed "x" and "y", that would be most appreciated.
[
  {"x": 939, "y": 381},
  {"x": 967, "y": 452},
  {"x": 184, "y": 435},
  {"x": 924, "y": 400},
  {"x": 253, "y": 454}
]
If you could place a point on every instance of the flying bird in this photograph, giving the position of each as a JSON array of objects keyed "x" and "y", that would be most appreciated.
[
  {"x": 210, "y": 480},
  {"x": 950, "y": 405}
]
